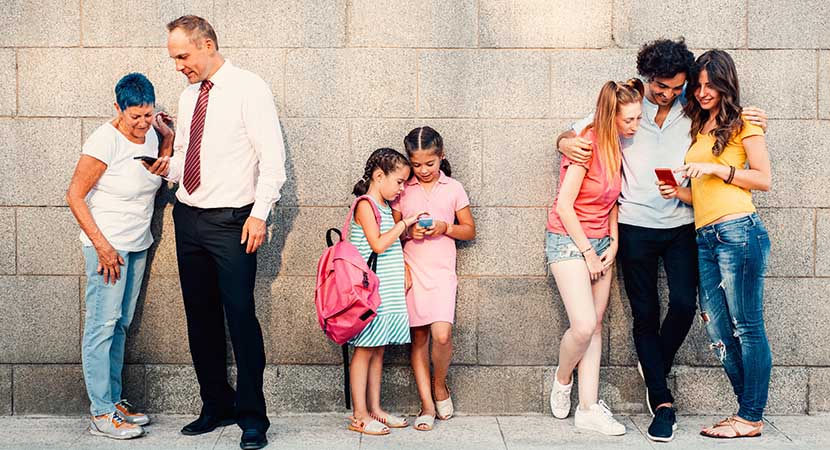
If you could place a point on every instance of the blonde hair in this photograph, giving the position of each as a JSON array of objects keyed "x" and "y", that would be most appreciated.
[{"x": 612, "y": 95}]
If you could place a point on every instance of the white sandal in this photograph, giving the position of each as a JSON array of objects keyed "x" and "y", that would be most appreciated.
[
  {"x": 424, "y": 422},
  {"x": 391, "y": 421},
  {"x": 444, "y": 408}
]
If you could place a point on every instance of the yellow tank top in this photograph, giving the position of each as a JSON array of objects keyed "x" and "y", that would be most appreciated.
[{"x": 711, "y": 197}]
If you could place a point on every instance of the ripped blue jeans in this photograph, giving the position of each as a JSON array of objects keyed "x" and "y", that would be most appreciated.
[
  {"x": 732, "y": 258},
  {"x": 109, "y": 311}
]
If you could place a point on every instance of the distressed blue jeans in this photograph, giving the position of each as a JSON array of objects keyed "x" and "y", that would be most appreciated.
[
  {"x": 109, "y": 311},
  {"x": 732, "y": 258}
]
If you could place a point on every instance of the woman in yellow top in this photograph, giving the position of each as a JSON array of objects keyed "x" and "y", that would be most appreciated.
[{"x": 726, "y": 161}]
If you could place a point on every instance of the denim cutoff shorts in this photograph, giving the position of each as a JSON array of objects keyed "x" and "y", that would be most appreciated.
[{"x": 560, "y": 247}]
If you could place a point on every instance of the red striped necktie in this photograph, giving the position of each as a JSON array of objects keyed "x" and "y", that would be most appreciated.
[{"x": 192, "y": 163}]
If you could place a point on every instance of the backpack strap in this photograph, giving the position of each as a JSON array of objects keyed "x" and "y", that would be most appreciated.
[
  {"x": 347, "y": 226},
  {"x": 346, "y": 381}
]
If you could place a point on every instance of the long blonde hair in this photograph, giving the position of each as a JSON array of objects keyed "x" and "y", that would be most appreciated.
[{"x": 612, "y": 95}]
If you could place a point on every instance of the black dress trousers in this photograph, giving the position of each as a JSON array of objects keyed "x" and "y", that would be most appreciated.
[{"x": 217, "y": 280}]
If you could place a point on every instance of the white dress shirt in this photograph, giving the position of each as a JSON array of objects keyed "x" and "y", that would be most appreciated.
[{"x": 242, "y": 152}]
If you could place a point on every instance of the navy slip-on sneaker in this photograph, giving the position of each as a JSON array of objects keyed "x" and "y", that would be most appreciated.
[{"x": 663, "y": 425}]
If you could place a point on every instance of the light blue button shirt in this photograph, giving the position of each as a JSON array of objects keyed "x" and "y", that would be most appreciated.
[{"x": 652, "y": 147}]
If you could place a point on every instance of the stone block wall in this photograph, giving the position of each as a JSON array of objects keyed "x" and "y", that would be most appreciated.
[{"x": 499, "y": 79}]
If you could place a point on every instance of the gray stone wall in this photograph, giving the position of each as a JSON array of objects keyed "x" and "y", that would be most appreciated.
[{"x": 499, "y": 79}]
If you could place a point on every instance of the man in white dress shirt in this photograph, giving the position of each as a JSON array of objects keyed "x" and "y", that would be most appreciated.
[{"x": 229, "y": 162}]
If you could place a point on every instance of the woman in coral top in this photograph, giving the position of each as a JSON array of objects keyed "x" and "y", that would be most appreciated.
[
  {"x": 728, "y": 160},
  {"x": 581, "y": 245}
]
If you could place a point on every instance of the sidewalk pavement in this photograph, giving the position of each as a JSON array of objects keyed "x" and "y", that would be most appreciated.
[{"x": 328, "y": 432}]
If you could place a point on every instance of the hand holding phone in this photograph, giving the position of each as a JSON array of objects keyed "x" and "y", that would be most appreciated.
[
  {"x": 148, "y": 159},
  {"x": 666, "y": 176}
]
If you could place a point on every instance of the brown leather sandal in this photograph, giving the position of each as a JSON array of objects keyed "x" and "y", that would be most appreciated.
[{"x": 731, "y": 422}]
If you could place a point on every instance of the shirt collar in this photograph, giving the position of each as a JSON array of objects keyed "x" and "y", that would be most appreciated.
[
  {"x": 222, "y": 75},
  {"x": 442, "y": 179},
  {"x": 650, "y": 109}
]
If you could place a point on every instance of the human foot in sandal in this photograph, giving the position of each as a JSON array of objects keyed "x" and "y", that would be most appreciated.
[
  {"x": 390, "y": 420},
  {"x": 733, "y": 427},
  {"x": 444, "y": 407},
  {"x": 372, "y": 427},
  {"x": 424, "y": 422}
]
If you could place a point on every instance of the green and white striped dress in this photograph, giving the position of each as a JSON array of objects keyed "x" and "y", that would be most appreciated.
[{"x": 391, "y": 325}]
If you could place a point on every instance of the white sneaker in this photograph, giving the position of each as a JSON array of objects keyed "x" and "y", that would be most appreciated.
[
  {"x": 114, "y": 427},
  {"x": 598, "y": 418},
  {"x": 560, "y": 397}
]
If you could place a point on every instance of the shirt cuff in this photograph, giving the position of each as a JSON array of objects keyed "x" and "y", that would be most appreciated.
[{"x": 260, "y": 210}]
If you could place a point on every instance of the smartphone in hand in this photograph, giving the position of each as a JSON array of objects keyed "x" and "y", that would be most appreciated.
[
  {"x": 425, "y": 222},
  {"x": 148, "y": 159},
  {"x": 666, "y": 176}
]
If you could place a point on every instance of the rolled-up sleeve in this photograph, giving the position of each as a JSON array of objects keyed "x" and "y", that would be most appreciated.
[{"x": 265, "y": 134}]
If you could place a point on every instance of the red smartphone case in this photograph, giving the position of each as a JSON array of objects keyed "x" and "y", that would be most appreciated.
[{"x": 666, "y": 176}]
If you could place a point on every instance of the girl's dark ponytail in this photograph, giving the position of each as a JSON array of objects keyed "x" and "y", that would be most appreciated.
[
  {"x": 445, "y": 167},
  {"x": 360, "y": 188}
]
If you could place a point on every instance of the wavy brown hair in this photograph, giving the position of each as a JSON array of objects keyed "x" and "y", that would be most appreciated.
[
  {"x": 612, "y": 95},
  {"x": 723, "y": 77}
]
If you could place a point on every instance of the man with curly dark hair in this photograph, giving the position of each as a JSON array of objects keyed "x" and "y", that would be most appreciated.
[{"x": 653, "y": 228}]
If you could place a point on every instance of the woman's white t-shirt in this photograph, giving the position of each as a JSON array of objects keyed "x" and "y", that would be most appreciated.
[{"x": 122, "y": 201}]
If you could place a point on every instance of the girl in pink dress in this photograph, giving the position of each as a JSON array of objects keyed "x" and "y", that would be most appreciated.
[{"x": 429, "y": 253}]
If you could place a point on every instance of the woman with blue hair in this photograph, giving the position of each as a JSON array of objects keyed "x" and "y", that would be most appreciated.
[{"x": 111, "y": 196}]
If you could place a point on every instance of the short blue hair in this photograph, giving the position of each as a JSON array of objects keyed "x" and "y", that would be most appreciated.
[{"x": 134, "y": 90}]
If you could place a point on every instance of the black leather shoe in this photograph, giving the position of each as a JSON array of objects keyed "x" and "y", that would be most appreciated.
[
  {"x": 206, "y": 424},
  {"x": 253, "y": 439}
]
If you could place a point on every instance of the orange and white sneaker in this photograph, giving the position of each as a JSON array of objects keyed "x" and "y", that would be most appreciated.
[
  {"x": 114, "y": 427},
  {"x": 129, "y": 413}
]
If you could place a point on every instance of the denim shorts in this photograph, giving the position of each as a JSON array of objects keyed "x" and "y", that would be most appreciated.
[{"x": 560, "y": 247}]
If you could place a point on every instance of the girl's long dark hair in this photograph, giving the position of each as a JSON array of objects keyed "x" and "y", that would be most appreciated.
[
  {"x": 723, "y": 77},
  {"x": 385, "y": 159},
  {"x": 426, "y": 138}
]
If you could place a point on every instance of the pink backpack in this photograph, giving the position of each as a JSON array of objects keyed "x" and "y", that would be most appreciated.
[{"x": 346, "y": 295}]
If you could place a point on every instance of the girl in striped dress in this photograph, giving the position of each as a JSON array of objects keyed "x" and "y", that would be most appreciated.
[{"x": 383, "y": 180}]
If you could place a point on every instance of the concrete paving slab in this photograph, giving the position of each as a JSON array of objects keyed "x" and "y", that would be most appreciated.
[
  {"x": 804, "y": 431},
  {"x": 545, "y": 432},
  {"x": 328, "y": 431},
  {"x": 301, "y": 432},
  {"x": 687, "y": 436},
  {"x": 458, "y": 433},
  {"x": 162, "y": 433},
  {"x": 40, "y": 433}
]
